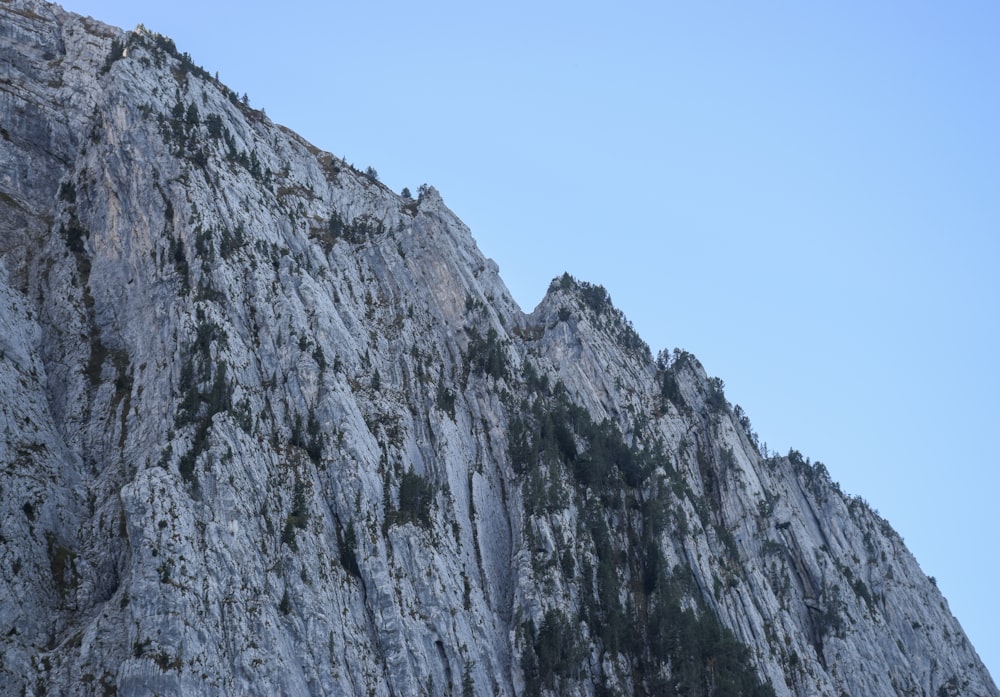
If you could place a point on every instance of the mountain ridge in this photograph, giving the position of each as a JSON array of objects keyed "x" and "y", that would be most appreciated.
[{"x": 249, "y": 384}]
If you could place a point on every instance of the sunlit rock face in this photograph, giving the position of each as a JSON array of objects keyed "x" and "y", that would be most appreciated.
[{"x": 270, "y": 428}]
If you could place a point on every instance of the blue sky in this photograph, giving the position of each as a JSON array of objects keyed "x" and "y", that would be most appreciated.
[{"x": 804, "y": 195}]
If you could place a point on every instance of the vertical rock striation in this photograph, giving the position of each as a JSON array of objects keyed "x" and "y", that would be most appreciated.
[{"x": 269, "y": 428}]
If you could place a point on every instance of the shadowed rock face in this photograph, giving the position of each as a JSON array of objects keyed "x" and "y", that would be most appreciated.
[{"x": 269, "y": 428}]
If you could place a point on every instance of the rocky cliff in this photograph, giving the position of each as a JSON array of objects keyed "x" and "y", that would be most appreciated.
[{"x": 270, "y": 428}]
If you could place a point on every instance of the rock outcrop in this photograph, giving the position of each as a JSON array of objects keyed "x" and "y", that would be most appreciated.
[{"x": 270, "y": 428}]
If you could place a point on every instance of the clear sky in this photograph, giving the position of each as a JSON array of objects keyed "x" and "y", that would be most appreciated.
[{"x": 804, "y": 195}]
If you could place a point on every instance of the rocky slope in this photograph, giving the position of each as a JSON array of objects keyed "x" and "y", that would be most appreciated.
[{"x": 270, "y": 428}]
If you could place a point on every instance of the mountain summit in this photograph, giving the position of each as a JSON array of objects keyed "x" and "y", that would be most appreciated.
[{"x": 270, "y": 428}]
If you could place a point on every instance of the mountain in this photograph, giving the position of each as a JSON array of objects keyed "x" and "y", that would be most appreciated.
[{"x": 271, "y": 428}]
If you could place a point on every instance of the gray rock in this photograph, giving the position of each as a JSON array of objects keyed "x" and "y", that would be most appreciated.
[{"x": 269, "y": 428}]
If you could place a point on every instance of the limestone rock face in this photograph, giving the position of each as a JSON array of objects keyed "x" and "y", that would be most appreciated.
[{"x": 269, "y": 428}]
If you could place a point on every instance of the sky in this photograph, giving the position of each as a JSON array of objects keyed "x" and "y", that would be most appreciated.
[{"x": 804, "y": 195}]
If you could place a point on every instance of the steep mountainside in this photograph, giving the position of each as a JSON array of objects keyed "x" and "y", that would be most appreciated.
[{"x": 270, "y": 428}]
